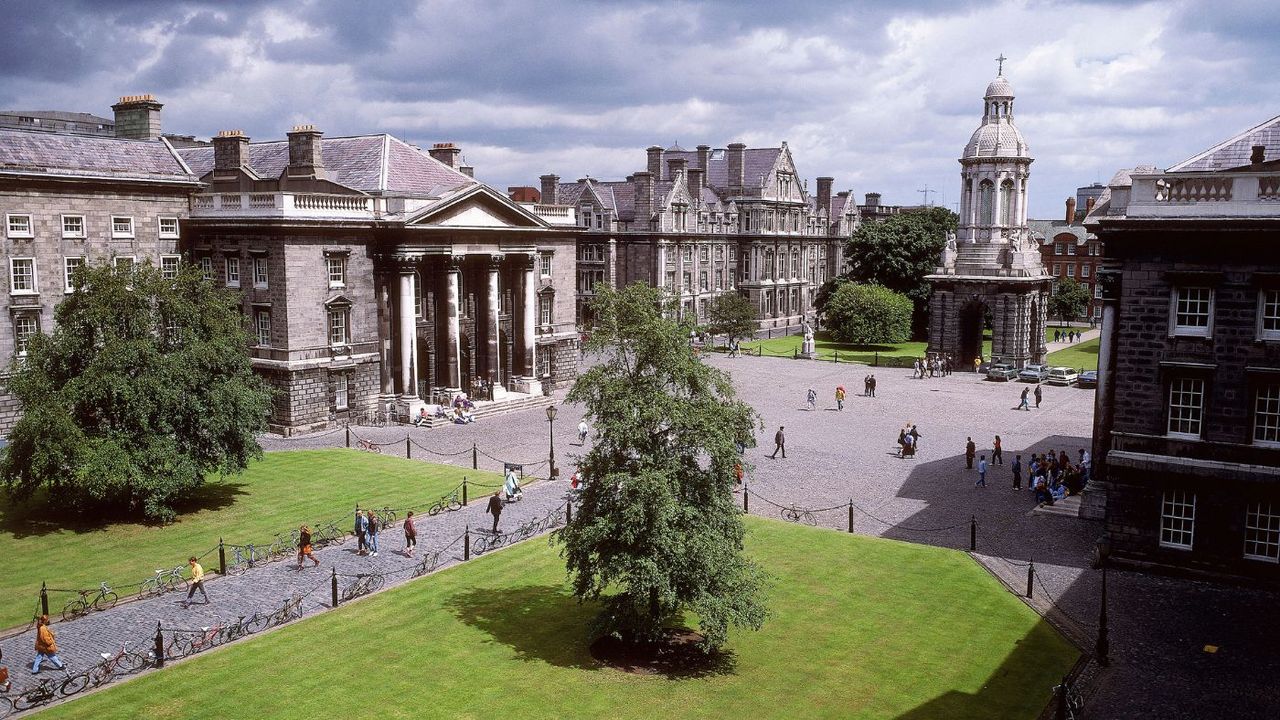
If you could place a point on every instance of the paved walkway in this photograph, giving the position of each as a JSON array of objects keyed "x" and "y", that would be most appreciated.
[{"x": 1085, "y": 336}]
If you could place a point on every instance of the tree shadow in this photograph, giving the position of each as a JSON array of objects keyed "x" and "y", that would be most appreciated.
[{"x": 41, "y": 514}]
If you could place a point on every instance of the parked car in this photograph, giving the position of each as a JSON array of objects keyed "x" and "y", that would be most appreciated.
[
  {"x": 1062, "y": 376},
  {"x": 1001, "y": 371},
  {"x": 1088, "y": 379},
  {"x": 1034, "y": 373}
]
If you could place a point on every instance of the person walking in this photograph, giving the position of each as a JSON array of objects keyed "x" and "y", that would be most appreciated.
[
  {"x": 1037, "y": 394},
  {"x": 871, "y": 383},
  {"x": 1022, "y": 404},
  {"x": 970, "y": 450},
  {"x": 197, "y": 583},
  {"x": 410, "y": 535},
  {"x": 1016, "y": 467},
  {"x": 811, "y": 398},
  {"x": 304, "y": 547},
  {"x": 495, "y": 508},
  {"x": 371, "y": 532},
  {"x": 997, "y": 454},
  {"x": 779, "y": 443},
  {"x": 866, "y": 386},
  {"x": 915, "y": 438},
  {"x": 839, "y": 397},
  {"x": 46, "y": 647},
  {"x": 977, "y": 364},
  {"x": 982, "y": 472},
  {"x": 582, "y": 431},
  {"x": 359, "y": 529}
]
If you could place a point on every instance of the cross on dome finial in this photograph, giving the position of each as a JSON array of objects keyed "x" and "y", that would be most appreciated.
[{"x": 1000, "y": 67}]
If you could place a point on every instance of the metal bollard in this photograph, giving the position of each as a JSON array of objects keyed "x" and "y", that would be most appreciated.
[
  {"x": 837, "y": 357},
  {"x": 973, "y": 533},
  {"x": 850, "y": 516},
  {"x": 475, "y": 460},
  {"x": 333, "y": 587},
  {"x": 877, "y": 360},
  {"x": 159, "y": 649},
  {"x": 466, "y": 544},
  {"x": 746, "y": 507},
  {"x": 1103, "y": 649},
  {"x": 568, "y": 511},
  {"x": 222, "y": 558},
  {"x": 408, "y": 449},
  {"x": 348, "y": 436},
  {"x": 464, "y": 491},
  {"x": 1031, "y": 575},
  {"x": 44, "y": 599}
]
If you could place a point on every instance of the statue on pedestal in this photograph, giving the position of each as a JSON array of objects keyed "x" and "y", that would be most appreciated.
[{"x": 806, "y": 348}]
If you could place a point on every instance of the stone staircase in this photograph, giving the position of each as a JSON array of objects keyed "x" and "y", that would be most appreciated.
[
  {"x": 1070, "y": 505},
  {"x": 514, "y": 402}
]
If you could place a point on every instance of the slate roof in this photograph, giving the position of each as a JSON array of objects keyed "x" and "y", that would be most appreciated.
[
  {"x": 1046, "y": 231},
  {"x": 755, "y": 162},
  {"x": 1235, "y": 152},
  {"x": 62, "y": 116},
  {"x": 89, "y": 156},
  {"x": 375, "y": 164}
]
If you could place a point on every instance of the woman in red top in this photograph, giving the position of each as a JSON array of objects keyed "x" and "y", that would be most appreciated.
[{"x": 410, "y": 535}]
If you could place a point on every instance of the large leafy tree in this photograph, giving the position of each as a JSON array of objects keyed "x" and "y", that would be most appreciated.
[
  {"x": 899, "y": 252},
  {"x": 1069, "y": 301},
  {"x": 867, "y": 314},
  {"x": 733, "y": 315},
  {"x": 657, "y": 531},
  {"x": 142, "y": 389}
]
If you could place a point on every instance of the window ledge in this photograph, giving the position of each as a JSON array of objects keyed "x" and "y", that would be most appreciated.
[
  {"x": 1169, "y": 546},
  {"x": 21, "y": 236},
  {"x": 24, "y": 292}
]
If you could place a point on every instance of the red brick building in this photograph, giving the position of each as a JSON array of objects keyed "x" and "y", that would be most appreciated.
[{"x": 1068, "y": 250}]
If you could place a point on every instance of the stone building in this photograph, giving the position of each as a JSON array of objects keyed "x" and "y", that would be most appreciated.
[
  {"x": 704, "y": 222},
  {"x": 377, "y": 277},
  {"x": 1187, "y": 423},
  {"x": 991, "y": 270},
  {"x": 1068, "y": 250},
  {"x": 71, "y": 199}
]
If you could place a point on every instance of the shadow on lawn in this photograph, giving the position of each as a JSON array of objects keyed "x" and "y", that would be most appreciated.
[
  {"x": 546, "y": 623},
  {"x": 39, "y": 516}
]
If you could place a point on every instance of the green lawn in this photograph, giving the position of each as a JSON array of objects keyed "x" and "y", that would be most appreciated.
[
  {"x": 276, "y": 494},
  {"x": 1081, "y": 356},
  {"x": 828, "y": 349},
  {"x": 861, "y": 628}
]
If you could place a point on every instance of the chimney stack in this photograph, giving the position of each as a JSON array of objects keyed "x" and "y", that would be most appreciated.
[
  {"x": 735, "y": 155},
  {"x": 824, "y": 193},
  {"x": 137, "y": 117},
  {"x": 446, "y": 152},
  {"x": 550, "y": 189},
  {"x": 1258, "y": 155},
  {"x": 655, "y": 161},
  {"x": 704, "y": 155},
  {"x": 697, "y": 181},
  {"x": 230, "y": 150},
  {"x": 644, "y": 196},
  {"x": 1071, "y": 210},
  {"x": 675, "y": 166},
  {"x": 468, "y": 170},
  {"x": 873, "y": 200},
  {"x": 305, "y": 158},
  {"x": 1088, "y": 205}
]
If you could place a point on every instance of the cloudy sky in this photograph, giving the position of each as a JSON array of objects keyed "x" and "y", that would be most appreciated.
[{"x": 882, "y": 95}]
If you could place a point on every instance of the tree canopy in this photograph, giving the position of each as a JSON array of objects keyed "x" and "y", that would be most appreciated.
[
  {"x": 868, "y": 314},
  {"x": 657, "y": 530},
  {"x": 899, "y": 252},
  {"x": 733, "y": 315},
  {"x": 1070, "y": 299},
  {"x": 143, "y": 388}
]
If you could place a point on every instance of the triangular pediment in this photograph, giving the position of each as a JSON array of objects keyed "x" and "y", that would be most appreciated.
[{"x": 477, "y": 207}]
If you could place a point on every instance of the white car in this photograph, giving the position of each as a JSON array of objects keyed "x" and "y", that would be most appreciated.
[{"x": 1062, "y": 376}]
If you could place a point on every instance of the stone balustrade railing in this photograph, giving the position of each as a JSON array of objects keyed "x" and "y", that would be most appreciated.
[
  {"x": 299, "y": 205},
  {"x": 1199, "y": 195}
]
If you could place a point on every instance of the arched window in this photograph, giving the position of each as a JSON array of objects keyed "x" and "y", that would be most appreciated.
[
  {"x": 985, "y": 191},
  {"x": 1006, "y": 203}
]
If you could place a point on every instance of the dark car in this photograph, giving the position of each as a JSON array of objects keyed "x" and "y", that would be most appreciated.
[{"x": 1088, "y": 379}]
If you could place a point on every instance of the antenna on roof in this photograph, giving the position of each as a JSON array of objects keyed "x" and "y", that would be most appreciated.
[{"x": 926, "y": 192}]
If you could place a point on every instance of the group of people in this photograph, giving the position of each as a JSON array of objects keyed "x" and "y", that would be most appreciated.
[
  {"x": 1024, "y": 404},
  {"x": 936, "y": 366},
  {"x": 1051, "y": 476},
  {"x": 908, "y": 440},
  {"x": 368, "y": 528},
  {"x": 1069, "y": 336}
]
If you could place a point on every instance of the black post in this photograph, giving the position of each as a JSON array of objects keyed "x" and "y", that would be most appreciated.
[
  {"x": 746, "y": 507},
  {"x": 1062, "y": 699},
  {"x": 568, "y": 511},
  {"x": 851, "y": 516},
  {"x": 466, "y": 544},
  {"x": 464, "y": 490},
  {"x": 973, "y": 533},
  {"x": 877, "y": 360},
  {"x": 1031, "y": 575},
  {"x": 333, "y": 588},
  {"x": 222, "y": 558},
  {"x": 348, "y": 436},
  {"x": 1103, "y": 650},
  {"x": 44, "y": 599},
  {"x": 837, "y": 357},
  {"x": 408, "y": 450},
  {"x": 159, "y": 647},
  {"x": 475, "y": 461}
]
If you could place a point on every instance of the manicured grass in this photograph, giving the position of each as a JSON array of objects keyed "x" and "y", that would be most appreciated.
[
  {"x": 1081, "y": 356},
  {"x": 827, "y": 349},
  {"x": 275, "y": 494},
  {"x": 861, "y": 628}
]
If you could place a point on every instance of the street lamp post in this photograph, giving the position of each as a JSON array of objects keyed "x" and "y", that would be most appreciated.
[{"x": 551, "y": 425}]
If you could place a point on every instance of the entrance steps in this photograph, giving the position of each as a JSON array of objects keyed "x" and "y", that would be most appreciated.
[
  {"x": 1069, "y": 505},
  {"x": 513, "y": 402}
]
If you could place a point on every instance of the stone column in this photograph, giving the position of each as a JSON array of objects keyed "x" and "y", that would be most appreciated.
[
  {"x": 409, "y": 401},
  {"x": 386, "y": 376},
  {"x": 453, "y": 349},
  {"x": 528, "y": 381},
  {"x": 1093, "y": 504},
  {"x": 493, "y": 360}
]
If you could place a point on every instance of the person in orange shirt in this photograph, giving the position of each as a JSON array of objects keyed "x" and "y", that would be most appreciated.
[{"x": 46, "y": 648}]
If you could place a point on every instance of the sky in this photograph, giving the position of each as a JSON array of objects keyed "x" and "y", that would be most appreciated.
[{"x": 880, "y": 95}]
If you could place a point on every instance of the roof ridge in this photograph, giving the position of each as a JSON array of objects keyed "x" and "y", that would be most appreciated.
[{"x": 1234, "y": 139}]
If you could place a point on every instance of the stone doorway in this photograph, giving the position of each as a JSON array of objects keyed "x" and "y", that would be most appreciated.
[{"x": 974, "y": 319}]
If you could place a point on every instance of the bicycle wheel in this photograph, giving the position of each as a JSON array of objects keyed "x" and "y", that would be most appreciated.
[
  {"x": 454, "y": 504},
  {"x": 177, "y": 583},
  {"x": 74, "y": 609},
  {"x": 435, "y": 509},
  {"x": 74, "y": 684},
  {"x": 6, "y": 707},
  {"x": 257, "y": 623},
  {"x": 33, "y": 698},
  {"x": 150, "y": 587},
  {"x": 106, "y": 601},
  {"x": 130, "y": 663}
]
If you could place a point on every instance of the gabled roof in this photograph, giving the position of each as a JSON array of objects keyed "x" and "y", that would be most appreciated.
[
  {"x": 375, "y": 164},
  {"x": 755, "y": 162},
  {"x": 1046, "y": 231},
  {"x": 1234, "y": 153},
  {"x": 88, "y": 156}
]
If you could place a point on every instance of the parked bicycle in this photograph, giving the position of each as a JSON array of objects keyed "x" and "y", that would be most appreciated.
[
  {"x": 363, "y": 585},
  {"x": 88, "y": 600},
  {"x": 164, "y": 581},
  {"x": 49, "y": 689},
  {"x": 326, "y": 533},
  {"x": 246, "y": 556},
  {"x": 450, "y": 503},
  {"x": 123, "y": 662},
  {"x": 797, "y": 515},
  {"x": 369, "y": 446},
  {"x": 284, "y": 545},
  {"x": 387, "y": 516}
]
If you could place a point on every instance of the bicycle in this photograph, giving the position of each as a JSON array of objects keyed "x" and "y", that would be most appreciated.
[
  {"x": 283, "y": 545},
  {"x": 87, "y": 601},
  {"x": 292, "y": 609},
  {"x": 164, "y": 581},
  {"x": 49, "y": 689},
  {"x": 363, "y": 585},
  {"x": 326, "y": 533},
  {"x": 386, "y": 516},
  {"x": 246, "y": 556},
  {"x": 369, "y": 446},
  {"x": 124, "y": 662},
  {"x": 796, "y": 515},
  {"x": 449, "y": 503},
  {"x": 1074, "y": 701}
]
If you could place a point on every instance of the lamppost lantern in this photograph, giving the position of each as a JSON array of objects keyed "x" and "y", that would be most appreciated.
[
  {"x": 551, "y": 430},
  {"x": 551, "y": 413}
]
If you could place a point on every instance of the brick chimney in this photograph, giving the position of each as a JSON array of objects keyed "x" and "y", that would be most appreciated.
[
  {"x": 704, "y": 156},
  {"x": 137, "y": 117},
  {"x": 550, "y": 189},
  {"x": 655, "y": 161},
  {"x": 644, "y": 195},
  {"x": 446, "y": 152},
  {"x": 675, "y": 166},
  {"x": 468, "y": 170},
  {"x": 1071, "y": 210},
  {"x": 697, "y": 180},
  {"x": 230, "y": 150},
  {"x": 1258, "y": 154},
  {"x": 735, "y": 155},
  {"x": 824, "y": 193},
  {"x": 305, "y": 157}
]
